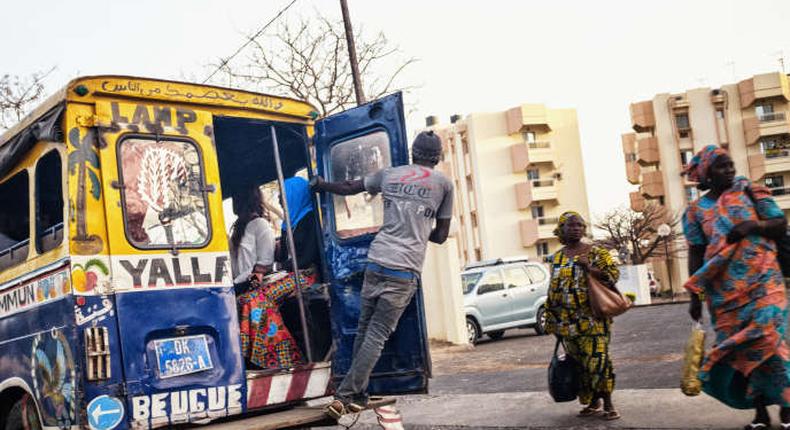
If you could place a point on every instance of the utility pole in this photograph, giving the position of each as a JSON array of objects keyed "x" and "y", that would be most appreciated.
[{"x": 352, "y": 53}]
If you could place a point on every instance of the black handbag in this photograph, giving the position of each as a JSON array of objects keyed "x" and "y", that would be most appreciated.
[
  {"x": 563, "y": 376},
  {"x": 782, "y": 243}
]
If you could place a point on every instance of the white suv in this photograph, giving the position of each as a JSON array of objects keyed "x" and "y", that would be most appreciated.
[{"x": 501, "y": 294}]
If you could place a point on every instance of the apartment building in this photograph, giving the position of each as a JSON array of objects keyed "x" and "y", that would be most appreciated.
[
  {"x": 748, "y": 118},
  {"x": 514, "y": 172}
]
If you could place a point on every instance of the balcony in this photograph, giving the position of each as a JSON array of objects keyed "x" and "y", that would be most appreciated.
[
  {"x": 652, "y": 185},
  {"x": 771, "y": 161},
  {"x": 525, "y": 116},
  {"x": 781, "y": 196},
  {"x": 546, "y": 227},
  {"x": 763, "y": 86},
  {"x": 543, "y": 189},
  {"x": 642, "y": 116},
  {"x": 528, "y": 228},
  {"x": 524, "y": 154},
  {"x": 770, "y": 124},
  {"x": 647, "y": 151},
  {"x": 638, "y": 202}
]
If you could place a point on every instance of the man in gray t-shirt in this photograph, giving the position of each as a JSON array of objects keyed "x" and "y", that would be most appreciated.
[{"x": 418, "y": 206}]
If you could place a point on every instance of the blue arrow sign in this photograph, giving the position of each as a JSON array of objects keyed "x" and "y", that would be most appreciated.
[{"x": 105, "y": 413}]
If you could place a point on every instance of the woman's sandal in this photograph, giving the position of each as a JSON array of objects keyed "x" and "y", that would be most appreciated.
[
  {"x": 335, "y": 409},
  {"x": 610, "y": 415},
  {"x": 591, "y": 410},
  {"x": 759, "y": 426},
  {"x": 784, "y": 426}
]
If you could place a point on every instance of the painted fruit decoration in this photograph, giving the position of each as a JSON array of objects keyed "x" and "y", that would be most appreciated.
[{"x": 85, "y": 278}]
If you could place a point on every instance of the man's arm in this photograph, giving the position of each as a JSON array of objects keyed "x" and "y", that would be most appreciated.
[
  {"x": 345, "y": 188},
  {"x": 440, "y": 232}
]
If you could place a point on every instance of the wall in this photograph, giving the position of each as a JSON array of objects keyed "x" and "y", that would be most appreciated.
[{"x": 444, "y": 301}]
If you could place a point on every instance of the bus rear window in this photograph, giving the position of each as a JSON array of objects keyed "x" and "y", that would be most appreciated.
[
  {"x": 355, "y": 159},
  {"x": 164, "y": 202}
]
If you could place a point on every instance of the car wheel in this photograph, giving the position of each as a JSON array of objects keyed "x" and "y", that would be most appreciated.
[
  {"x": 473, "y": 331},
  {"x": 496, "y": 335},
  {"x": 23, "y": 415},
  {"x": 540, "y": 322}
]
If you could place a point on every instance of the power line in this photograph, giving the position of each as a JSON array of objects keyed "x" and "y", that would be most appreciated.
[{"x": 224, "y": 62}]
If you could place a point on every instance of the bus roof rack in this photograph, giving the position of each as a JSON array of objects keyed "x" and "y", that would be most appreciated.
[{"x": 496, "y": 262}]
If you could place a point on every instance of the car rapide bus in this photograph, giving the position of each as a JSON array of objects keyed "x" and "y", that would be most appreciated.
[{"x": 117, "y": 308}]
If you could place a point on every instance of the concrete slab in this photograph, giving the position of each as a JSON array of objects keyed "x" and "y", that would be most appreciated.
[{"x": 641, "y": 409}]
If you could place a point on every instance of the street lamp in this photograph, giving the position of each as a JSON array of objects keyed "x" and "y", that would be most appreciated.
[{"x": 664, "y": 230}]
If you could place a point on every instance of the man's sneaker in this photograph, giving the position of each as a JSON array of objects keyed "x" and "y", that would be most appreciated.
[{"x": 335, "y": 409}]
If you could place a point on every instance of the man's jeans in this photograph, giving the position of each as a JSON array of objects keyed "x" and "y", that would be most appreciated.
[{"x": 384, "y": 298}]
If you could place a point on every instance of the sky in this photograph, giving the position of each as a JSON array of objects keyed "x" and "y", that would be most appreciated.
[{"x": 594, "y": 56}]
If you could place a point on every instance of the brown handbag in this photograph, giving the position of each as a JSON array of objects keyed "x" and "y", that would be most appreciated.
[{"x": 606, "y": 302}]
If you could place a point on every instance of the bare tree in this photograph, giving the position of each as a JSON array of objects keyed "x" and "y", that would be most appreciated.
[
  {"x": 307, "y": 59},
  {"x": 635, "y": 233},
  {"x": 18, "y": 95}
]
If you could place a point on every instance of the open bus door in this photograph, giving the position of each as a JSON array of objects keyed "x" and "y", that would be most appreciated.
[{"x": 351, "y": 145}]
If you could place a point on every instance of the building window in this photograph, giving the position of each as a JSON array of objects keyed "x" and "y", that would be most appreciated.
[
  {"x": 533, "y": 174},
  {"x": 683, "y": 125},
  {"x": 529, "y": 136},
  {"x": 537, "y": 212},
  {"x": 630, "y": 157},
  {"x": 543, "y": 249},
  {"x": 720, "y": 114},
  {"x": 692, "y": 193},
  {"x": 776, "y": 183},
  {"x": 685, "y": 157}
]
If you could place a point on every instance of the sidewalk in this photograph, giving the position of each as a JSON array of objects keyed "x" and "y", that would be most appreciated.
[{"x": 641, "y": 409}]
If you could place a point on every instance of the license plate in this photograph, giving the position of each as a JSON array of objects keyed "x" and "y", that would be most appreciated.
[{"x": 182, "y": 355}]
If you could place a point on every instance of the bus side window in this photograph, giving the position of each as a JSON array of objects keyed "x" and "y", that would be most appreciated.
[
  {"x": 14, "y": 220},
  {"x": 49, "y": 202}
]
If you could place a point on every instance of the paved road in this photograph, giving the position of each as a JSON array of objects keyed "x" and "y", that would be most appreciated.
[{"x": 646, "y": 347}]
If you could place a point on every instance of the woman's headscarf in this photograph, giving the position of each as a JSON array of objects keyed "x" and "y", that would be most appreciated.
[
  {"x": 564, "y": 218},
  {"x": 297, "y": 194},
  {"x": 697, "y": 169}
]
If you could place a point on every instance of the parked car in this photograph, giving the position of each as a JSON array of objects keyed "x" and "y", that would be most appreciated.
[{"x": 504, "y": 294}]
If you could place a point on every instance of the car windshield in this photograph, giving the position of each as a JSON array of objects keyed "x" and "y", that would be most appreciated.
[{"x": 469, "y": 281}]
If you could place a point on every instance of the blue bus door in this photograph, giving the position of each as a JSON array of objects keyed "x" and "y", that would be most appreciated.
[{"x": 351, "y": 145}]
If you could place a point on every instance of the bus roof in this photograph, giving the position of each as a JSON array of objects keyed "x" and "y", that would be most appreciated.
[{"x": 42, "y": 124}]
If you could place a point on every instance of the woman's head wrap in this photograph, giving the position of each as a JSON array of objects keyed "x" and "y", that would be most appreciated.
[
  {"x": 564, "y": 218},
  {"x": 697, "y": 169}
]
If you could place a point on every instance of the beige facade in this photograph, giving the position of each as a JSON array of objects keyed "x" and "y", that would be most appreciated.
[
  {"x": 514, "y": 173},
  {"x": 748, "y": 118}
]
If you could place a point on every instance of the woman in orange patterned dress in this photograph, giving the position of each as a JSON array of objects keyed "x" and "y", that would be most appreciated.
[{"x": 733, "y": 261}]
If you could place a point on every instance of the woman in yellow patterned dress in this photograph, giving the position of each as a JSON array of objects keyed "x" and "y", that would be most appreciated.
[{"x": 570, "y": 317}]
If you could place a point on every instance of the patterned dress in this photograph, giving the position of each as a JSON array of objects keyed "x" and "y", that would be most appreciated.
[
  {"x": 569, "y": 315},
  {"x": 745, "y": 292},
  {"x": 265, "y": 340}
]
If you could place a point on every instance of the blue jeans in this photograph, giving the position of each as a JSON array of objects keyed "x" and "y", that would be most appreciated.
[{"x": 383, "y": 300}]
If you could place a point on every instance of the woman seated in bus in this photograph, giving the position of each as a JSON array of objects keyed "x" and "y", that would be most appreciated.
[
  {"x": 303, "y": 222},
  {"x": 265, "y": 340}
]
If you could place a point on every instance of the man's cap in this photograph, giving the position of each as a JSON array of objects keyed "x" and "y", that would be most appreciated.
[{"x": 427, "y": 146}]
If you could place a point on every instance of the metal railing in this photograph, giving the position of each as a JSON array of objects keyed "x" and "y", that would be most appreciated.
[
  {"x": 780, "y": 191},
  {"x": 771, "y": 116},
  {"x": 538, "y": 183},
  {"x": 539, "y": 145},
  {"x": 548, "y": 220},
  {"x": 776, "y": 153}
]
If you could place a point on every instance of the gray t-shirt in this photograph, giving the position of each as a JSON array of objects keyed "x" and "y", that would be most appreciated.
[{"x": 413, "y": 197}]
